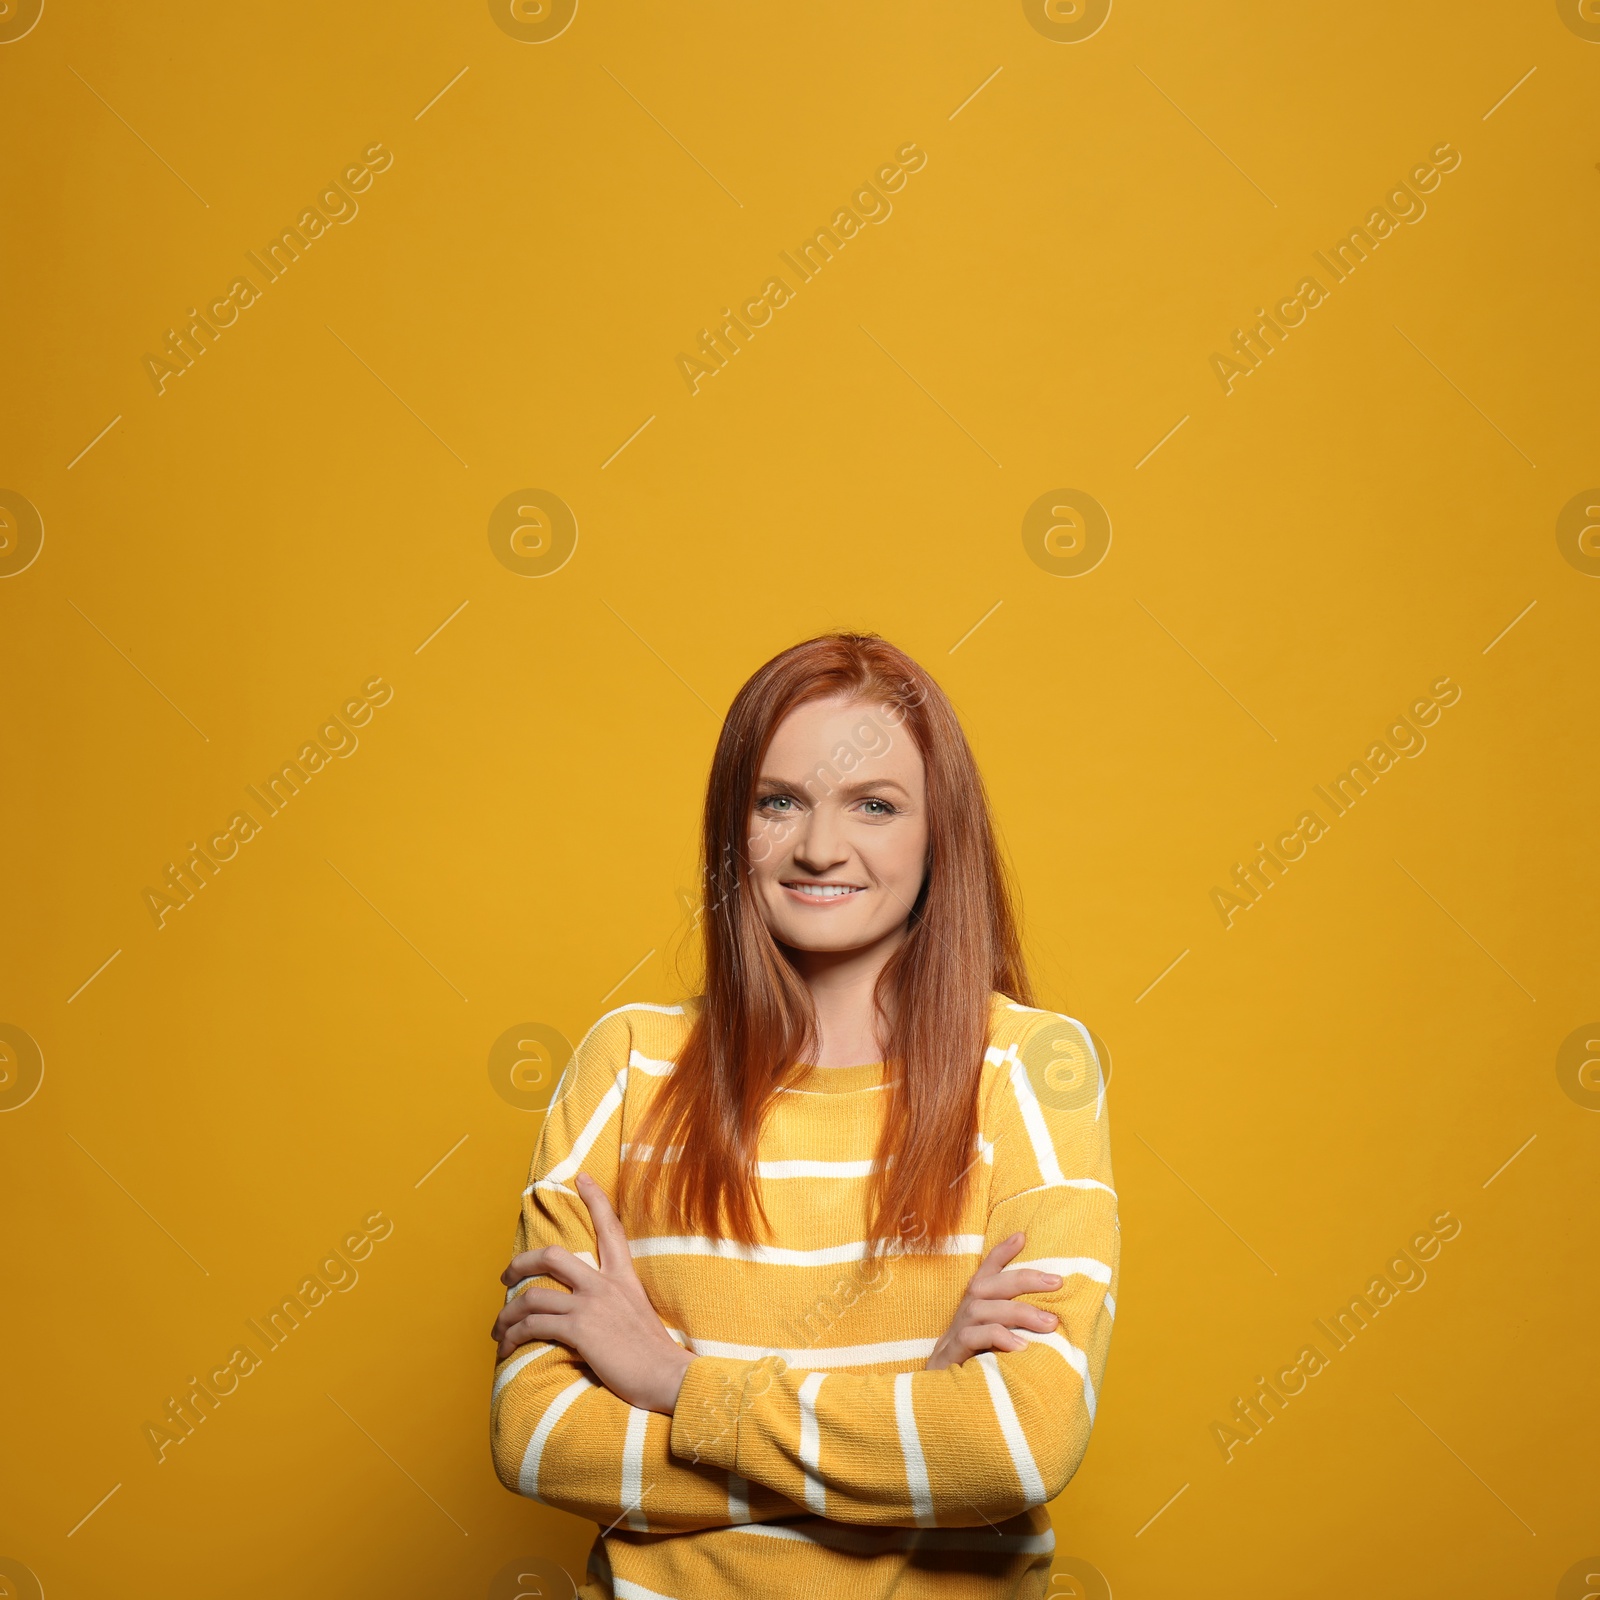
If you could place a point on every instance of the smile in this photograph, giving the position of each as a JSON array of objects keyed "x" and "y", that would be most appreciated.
[{"x": 823, "y": 891}]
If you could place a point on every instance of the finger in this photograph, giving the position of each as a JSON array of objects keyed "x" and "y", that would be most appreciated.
[
  {"x": 550, "y": 1330},
  {"x": 610, "y": 1237},
  {"x": 1020, "y": 1280},
  {"x": 554, "y": 1302},
  {"x": 997, "y": 1258},
  {"x": 549, "y": 1262},
  {"x": 978, "y": 1336},
  {"x": 1008, "y": 1314},
  {"x": 526, "y": 1264}
]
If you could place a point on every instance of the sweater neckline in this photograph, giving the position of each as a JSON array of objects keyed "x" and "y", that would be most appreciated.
[{"x": 809, "y": 1078}]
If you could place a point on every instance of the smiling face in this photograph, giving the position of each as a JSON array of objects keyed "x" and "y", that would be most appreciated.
[{"x": 839, "y": 828}]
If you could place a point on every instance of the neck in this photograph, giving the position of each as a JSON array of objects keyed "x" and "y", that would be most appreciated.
[{"x": 842, "y": 985}]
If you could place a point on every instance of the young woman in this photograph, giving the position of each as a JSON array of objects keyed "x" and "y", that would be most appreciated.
[{"x": 743, "y": 1328}]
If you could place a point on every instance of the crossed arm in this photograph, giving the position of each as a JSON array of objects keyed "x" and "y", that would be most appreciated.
[{"x": 599, "y": 1411}]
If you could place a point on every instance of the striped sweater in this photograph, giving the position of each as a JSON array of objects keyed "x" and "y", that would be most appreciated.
[{"x": 811, "y": 1454}]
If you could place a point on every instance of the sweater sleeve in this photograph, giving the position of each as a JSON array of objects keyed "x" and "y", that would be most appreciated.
[
  {"x": 556, "y": 1434},
  {"x": 1000, "y": 1433}
]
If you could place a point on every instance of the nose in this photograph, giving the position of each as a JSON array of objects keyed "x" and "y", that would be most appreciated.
[{"x": 819, "y": 846}]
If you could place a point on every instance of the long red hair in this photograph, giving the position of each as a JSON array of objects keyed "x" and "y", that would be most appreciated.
[{"x": 755, "y": 1019}]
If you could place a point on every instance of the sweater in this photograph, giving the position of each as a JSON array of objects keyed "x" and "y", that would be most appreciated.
[{"x": 811, "y": 1454}]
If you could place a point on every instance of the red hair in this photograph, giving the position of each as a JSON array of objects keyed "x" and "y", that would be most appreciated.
[{"x": 755, "y": 1019}]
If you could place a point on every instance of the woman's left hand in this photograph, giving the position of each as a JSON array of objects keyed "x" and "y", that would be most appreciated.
[{"x": 607, "y": 1319}]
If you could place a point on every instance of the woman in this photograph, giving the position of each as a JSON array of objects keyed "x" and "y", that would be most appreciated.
[{"x": 743, "y": 1329}]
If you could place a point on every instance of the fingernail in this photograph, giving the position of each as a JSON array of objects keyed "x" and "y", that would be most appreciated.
[
  {"x": 1051, "y": 1318},
  {"x": 1053, "y": 1280}
]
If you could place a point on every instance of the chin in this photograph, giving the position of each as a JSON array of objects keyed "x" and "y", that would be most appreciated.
[
  {"x": 830, "y": 939},
  {"x": 815, "y": 942}
]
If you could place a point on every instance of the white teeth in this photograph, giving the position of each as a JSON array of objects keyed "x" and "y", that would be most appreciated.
[{"x": 824, "y": 891}]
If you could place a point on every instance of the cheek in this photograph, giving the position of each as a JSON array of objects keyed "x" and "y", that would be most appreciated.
[
  {"x": 901, "y": 859},
  {"x": 768, "y": 836}
]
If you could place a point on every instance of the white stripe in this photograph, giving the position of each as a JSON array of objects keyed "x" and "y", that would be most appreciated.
[
  {"x": 993, "y": 1057},
  {"x": 626, "y": 1588},
  {"x": 959, "y": 1244},
  {"x": 633, "y": 1469},
  {"x": 811, "y": 1444},
  {"x": 528, "y": 1477},
  {"x": 1067, "y": 1183},
  {"x": 1099, "y": 1071},
  {"x": 617, "y": 1011},
  {"x": 1068, "y": 1266},
  {"x": 609, "y": 1102},
  {"x": 514, "y": 1366},
  {"x": 643, "y": 1152},
  {"x": 816, "y": 1169},
  {"x": 1074, "y": 1358},
  {"x": 816, "y": 1360},
  {"x": 1111, "y": 1308},
  {"x": 985, "y": 1148},
  {"x": 572, "y": 1064},
  {"x": 1044, "y": 1151},
  {"x": 1011, "y": 1428},
  {"x": 738, "y": 1498},
  {"x": 905, "y": 1419},
  {"x": 859, "y": 1541},
  {"x": 649, "y": 1065}
]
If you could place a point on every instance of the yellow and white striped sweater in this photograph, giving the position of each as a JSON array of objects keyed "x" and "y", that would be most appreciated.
[{"x": 811, "y": 1454}]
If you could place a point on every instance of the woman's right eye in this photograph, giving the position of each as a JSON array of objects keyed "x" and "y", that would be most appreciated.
[{"x": 777, "y": 802}]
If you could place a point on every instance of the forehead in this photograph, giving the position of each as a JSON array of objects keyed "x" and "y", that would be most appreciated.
[{"x": 827, "y": 732}]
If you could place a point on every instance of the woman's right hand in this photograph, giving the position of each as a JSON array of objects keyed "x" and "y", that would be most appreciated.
[{"x": 986, "y": 1316}]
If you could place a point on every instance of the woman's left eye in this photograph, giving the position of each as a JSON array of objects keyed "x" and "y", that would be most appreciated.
[{"x": 884, "y": 808}]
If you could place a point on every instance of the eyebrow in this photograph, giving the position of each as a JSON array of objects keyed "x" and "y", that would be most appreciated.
[{"x": 861, "y": 786}]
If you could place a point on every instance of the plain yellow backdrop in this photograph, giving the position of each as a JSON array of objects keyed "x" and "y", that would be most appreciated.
[{"x": 307, "y": 507}]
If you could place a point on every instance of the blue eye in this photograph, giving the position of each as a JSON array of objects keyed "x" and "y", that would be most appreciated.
[
  {"x": 778, "y": 799},
  {"x": 888, "y": 810}
]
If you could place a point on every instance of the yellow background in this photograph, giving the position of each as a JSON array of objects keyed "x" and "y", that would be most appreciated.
[{"x": 302, "y": 1044}]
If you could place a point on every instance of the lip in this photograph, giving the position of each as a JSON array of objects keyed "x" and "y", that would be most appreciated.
[{"x": 818, "y": 902}]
